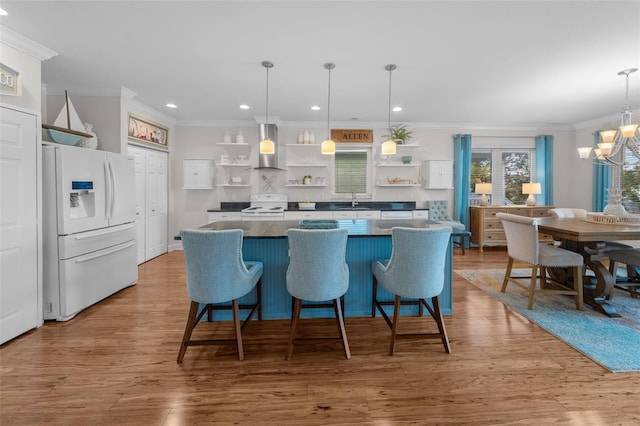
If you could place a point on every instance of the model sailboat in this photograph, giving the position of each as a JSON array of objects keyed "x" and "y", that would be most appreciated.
[{"x": 68, "y": 128}]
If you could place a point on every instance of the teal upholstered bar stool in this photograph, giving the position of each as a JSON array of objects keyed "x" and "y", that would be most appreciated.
[
  {"x": 415, "y": 271},
  {"x": 216, "y": 273},
  {"x": 317, "y": 272},
  {"x": 439, "y": 212}
]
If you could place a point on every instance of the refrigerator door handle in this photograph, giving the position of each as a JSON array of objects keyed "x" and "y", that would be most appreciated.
[
  {"x": 108, "y": 231},
  {"x": 82, "y": 259},
  {"x": 112, "y": 188},
  {"x": 107, "y": 192}
]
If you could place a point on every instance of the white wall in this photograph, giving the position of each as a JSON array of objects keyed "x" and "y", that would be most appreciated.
[
  {"x": 101, "y": 111},
  {"x": 572, "y": 177}
]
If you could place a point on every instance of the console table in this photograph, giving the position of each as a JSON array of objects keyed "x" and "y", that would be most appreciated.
[{"x": 486, "y": 228}]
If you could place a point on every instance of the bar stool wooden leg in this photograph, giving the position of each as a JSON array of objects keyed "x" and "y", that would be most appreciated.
[
  {"x": 294, "y": 324},
  {"x": 343, "y": 333},
  {"x": 394, "y": 328}
]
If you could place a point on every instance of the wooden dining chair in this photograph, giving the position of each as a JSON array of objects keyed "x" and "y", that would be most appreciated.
[
  {"x": 523, "y": 246},
  {"x": 631, "y": 258},
  {"x": 217, "y": 274}
]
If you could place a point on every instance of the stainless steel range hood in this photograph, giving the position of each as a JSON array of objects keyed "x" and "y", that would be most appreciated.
[{"x": 268, "y": 161}]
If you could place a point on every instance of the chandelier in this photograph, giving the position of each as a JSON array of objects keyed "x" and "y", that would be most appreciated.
[{"x": 613, "y": 141}]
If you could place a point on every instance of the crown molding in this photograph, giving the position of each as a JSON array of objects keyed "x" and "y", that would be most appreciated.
[
  {"x": 536, "y": 127},
  {"x": 150, "y": 113},
  {"x": 127, "y": 94},
  {"x": 23, "y": 44},
  {"x": 217, "y": 123}
]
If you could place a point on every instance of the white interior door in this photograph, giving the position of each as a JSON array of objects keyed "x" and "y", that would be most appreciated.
[
  {"x": 156, "y": 204},
  {"x": 139, "y": 159},
  {"x": 18, "y": 223}
]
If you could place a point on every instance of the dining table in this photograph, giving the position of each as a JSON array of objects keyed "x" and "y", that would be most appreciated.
[{"x": 587, "y": 238}]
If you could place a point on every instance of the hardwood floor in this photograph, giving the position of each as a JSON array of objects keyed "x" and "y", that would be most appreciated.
[{"x": 115, "y": 363}]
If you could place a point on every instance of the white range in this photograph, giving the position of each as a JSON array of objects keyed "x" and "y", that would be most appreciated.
[{"x": 266, "y": 207}]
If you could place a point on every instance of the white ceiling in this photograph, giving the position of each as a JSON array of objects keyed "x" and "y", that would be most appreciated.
[{"x": 508, "y": 63}]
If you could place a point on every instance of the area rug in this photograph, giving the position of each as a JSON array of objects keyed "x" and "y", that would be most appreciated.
[{"x": 613, "y": 343}]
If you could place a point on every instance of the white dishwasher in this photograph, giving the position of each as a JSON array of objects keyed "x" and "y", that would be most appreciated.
[{"x": 396, "y": 214}]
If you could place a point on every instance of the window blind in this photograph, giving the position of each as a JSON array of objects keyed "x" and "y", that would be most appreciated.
[{"x": 351, "y": 172}]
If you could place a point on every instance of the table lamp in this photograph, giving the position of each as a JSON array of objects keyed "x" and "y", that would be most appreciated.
[
  {"x": 531, "y": 189},
  {"x": 484, "y": 189}
]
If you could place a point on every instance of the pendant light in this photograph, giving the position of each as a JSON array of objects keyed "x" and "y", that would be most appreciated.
[
  {"x": 389, "y": 146},
  {"x": 328, "y": 146},
  {"x": 267, "y": 146}
]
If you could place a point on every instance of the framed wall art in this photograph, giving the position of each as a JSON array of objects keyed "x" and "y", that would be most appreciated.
[{"x": 141, "y": 130}]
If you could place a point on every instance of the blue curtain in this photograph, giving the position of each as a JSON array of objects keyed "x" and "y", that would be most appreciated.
[
  {"x": 544, "y": 169},
  {"x": 601, "y": 180},
  {"x": 461, "y": 177}
]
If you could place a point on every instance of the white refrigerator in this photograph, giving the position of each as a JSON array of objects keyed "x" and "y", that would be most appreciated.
[{"x": 89, "y": 236}]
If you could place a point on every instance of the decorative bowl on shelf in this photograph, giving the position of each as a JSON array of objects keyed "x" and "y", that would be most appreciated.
[{"x": 406, "y": 159}]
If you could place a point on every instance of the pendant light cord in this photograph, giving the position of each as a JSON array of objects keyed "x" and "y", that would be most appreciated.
[
  {"x": 389, "y": 112},
  {"x": 390, "y": 68},
  {"x": 267, "y": 65},
  {"x": 329, "y": 107},
  {"x": 329, "y": 66}
]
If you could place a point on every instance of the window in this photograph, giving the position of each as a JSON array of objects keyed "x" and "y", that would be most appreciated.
[
  {"x": 352, "y": 172},
  {"x": 506, "y": 168},
  {"x": 631, "y": 183}
]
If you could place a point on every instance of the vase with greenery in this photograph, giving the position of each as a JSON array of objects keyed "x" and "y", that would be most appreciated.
[{"x": 399, "y": 133}]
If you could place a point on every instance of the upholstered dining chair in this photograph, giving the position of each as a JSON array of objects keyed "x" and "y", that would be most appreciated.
[
  {"x": 415, "y": 271},
  {"x": 317, "y": 272},
  {"x": 216, "y": 274},
  {"x": 523, "y": 246},
  {"x": 439, "y": 212}
]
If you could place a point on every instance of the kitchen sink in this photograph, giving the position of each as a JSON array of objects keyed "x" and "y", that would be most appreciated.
[{"x": 354, "y": 208}]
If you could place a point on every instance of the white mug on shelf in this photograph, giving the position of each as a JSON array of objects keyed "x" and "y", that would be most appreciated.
[{"x": 224, "y": 159}]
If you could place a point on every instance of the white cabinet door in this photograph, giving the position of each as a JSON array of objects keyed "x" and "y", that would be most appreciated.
[
  {"x": 420, "y": 214},
  {"x": 345, "y": 214},
  {"x": 198, "y": 174},
  {"x": 19, "y": 298},
  {"x": 368, "y": 214},
  {"x": 438, "y": 174},
  {"x": 156, "y": 204},
  {"x": 307, "y": 215},
  {"x": 216, "y": 216}
]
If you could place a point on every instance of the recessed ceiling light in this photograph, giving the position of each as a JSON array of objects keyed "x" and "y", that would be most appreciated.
[
  {"x": 243, "y": 106},
  {"x": 315, "y": 108},
  {"x": 171, "y": 105},
  {"x": 396, "y": 109},
  {"x": 3, "y": 12}
]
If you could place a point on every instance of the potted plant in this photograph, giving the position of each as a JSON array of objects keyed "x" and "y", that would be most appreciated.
[{"x": 399, "y": 133}]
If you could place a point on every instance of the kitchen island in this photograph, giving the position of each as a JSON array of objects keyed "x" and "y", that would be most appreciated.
[{"x": 368, "y": 240}]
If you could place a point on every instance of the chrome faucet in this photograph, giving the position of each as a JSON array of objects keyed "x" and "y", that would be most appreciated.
[{"x": 354, "y": 202}]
